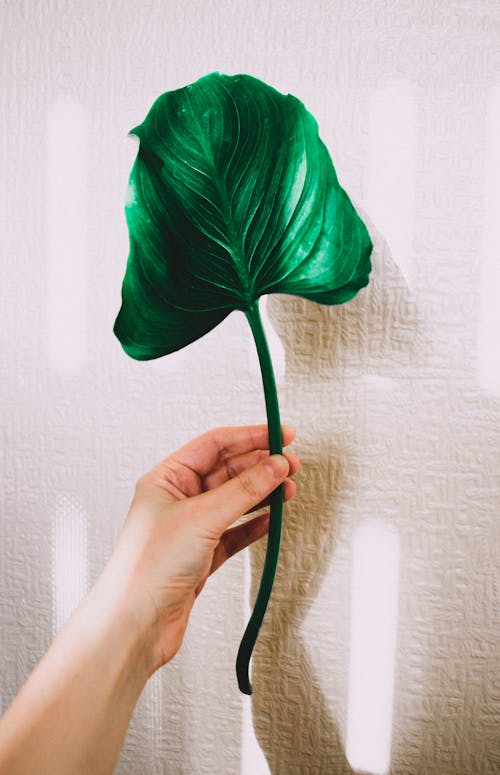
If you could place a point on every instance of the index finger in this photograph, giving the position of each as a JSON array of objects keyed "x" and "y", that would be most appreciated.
[{"x": 204, "y": 452}]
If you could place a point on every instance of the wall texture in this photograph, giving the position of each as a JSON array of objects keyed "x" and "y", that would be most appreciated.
[{"x": 395, "y": 397}]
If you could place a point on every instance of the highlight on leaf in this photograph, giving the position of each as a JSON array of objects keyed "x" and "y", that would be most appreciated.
[{"x": 233, "y": 195}]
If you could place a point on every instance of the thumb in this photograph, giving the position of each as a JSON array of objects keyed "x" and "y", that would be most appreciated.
[{"x": 223, "y": 505}]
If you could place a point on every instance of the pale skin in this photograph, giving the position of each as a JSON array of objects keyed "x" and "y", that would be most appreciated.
[{"x": 72, "y": 714}]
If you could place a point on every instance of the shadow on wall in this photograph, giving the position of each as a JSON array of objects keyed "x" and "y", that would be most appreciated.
[
  {"x": 292, "y": 720},
  {"x": 374, "y": 333}
]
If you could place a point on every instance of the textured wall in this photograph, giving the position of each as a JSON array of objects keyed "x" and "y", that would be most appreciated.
[{"x": 396, "y": 397}]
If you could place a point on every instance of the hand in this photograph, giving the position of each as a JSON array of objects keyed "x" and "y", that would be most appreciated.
[
  {"x": 72, "y": 714},
  {"x": 177, "y": 531}
]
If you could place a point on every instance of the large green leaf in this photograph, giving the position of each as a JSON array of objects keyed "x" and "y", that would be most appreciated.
[{"x": 233, "y": 195}]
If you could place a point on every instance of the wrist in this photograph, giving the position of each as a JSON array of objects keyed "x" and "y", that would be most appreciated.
[
  {"x": 116, "y": 602},
  {"x": 143, "y": 593}
]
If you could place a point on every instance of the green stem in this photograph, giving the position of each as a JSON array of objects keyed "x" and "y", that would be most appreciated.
[{"x": 276, "y": 500}]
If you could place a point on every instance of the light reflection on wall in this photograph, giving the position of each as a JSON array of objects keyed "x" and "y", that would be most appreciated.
[
  {"x": 488, "y": 349},
  {"x": 374, "y": 610},
  {"x": 69, "y": 558},
  {"x": 66, "y": 209},
  {"x": 391, "y": 167},
  {"x": 153, "y": 697}
]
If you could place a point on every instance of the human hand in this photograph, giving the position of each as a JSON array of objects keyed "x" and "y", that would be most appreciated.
[
  {"x": 72, "y": 714},
  {"x": 177, "y": 531}
]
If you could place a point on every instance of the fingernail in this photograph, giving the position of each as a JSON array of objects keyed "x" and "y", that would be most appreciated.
[{"x": 278, "y": 465}]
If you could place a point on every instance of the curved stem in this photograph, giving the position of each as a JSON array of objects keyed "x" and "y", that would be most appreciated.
[{"x": 276, "y": 500}]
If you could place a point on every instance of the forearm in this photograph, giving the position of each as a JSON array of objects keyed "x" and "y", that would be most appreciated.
[{"x": 72, "y": 714}]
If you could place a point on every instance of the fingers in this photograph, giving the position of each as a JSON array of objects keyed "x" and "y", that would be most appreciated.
[
  {"x": 207, "y": 451},
  {"x": 217, "y": 509},
  {"x": 231, "y": 466},
  {"x": 237, "y": 538},
  {"x": 289, "y": 491}
]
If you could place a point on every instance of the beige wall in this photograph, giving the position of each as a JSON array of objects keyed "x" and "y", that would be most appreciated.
[{"x": 395, "y": 397}]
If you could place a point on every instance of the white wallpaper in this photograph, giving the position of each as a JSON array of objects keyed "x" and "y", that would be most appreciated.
[{"x": 380, "y": 638}]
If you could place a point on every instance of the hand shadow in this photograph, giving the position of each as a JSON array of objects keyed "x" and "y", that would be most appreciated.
[{"x": 328, "y": 351}]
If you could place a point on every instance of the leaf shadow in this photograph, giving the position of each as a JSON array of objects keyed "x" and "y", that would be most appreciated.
[
  {"x": 381, "y": 331},
  {"x": 378, "y": 333}
]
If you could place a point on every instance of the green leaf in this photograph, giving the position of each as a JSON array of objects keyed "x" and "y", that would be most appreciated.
[{"x": 232, "y": 196}]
